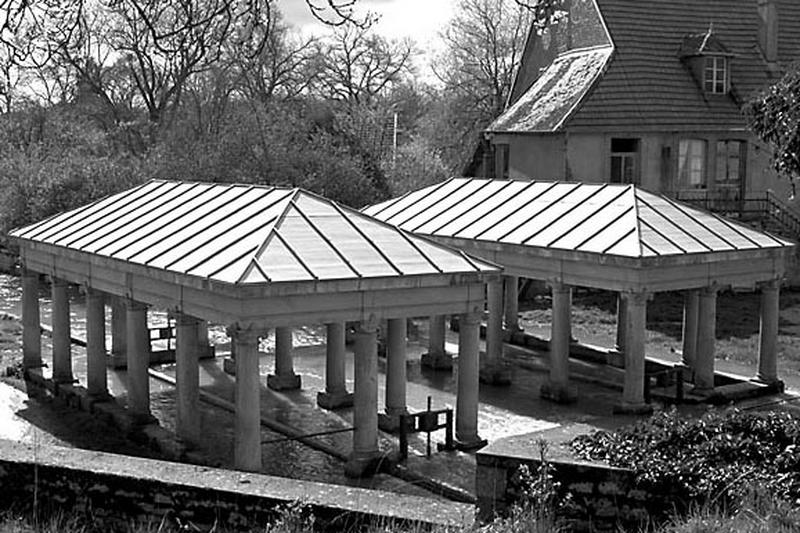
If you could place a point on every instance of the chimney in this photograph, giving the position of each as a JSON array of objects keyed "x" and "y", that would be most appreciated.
[{"x": 768, "y": 31}]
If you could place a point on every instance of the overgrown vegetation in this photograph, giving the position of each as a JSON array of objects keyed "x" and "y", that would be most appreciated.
[{"x": 715, "y": 460}]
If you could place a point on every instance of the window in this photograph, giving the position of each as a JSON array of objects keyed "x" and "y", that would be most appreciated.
[
  {"x": 624, "y": 161},
  {"x": 692, "y": 163},
  {"x": 715, "y": 75},
  {"x": 731, "y": 156}
]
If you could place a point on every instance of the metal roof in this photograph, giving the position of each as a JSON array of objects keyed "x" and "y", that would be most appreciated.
[
  {"x": 244, "y": 234},
  {"x": 606, "y": 219}
]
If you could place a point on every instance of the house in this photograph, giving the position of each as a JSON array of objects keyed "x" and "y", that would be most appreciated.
[{"x": 650, "y": 93}]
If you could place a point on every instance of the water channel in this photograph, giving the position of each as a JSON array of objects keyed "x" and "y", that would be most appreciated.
[{"x": 502, "y": 413}]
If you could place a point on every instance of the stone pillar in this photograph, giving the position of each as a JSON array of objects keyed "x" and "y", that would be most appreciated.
[
  {"x": 187, "y": 377},
  {"x": 768, "y": 333},
  {"x": 558, "y": 387},
  {"x": 335, "y": 394},
  {"x": 621, "y": 320},
  {"x": 247, "y": 423},
  {"x": 62, "y": 347},
  {"x": 691, "y": 302},
  {"x": 706, "y": 332},
  {"x": 364, "y": 459},
  {"x": 512, "y": 303},
  {"x": 437, "y": 357},
  {"x": 395, "y": 375},
  {"x": 493, "y": 370},
  {"x": 138, "y": 358},
  {"x": 635, "y": 322},
  {"x": 468, "y": 383},
  {"x": 96, "y": 374},
  {"x": 203, "y": 348},
  {"x": 119, "y": 335},
  {"x": 284, "y": 377},
  {"x": 31, "y": 323}
]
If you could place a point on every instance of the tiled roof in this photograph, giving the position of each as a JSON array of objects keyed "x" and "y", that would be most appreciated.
[
  {"x": 244, "y": 234},
  {"x": 646, "y": 86},
  {"x": 605, "y": 219},
  {"x": 555, "y": 93}
]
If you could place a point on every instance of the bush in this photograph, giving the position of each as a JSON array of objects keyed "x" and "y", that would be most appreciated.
[{"x": 714, "y": 459}]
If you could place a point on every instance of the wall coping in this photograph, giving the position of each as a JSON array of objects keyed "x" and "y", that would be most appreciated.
[{"x": 338, "y": 497}]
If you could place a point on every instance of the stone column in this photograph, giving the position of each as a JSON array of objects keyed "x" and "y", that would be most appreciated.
[
  {"x": 437, "y": 357},
  {"x": 119, "y": 335},
  {"x": 62, "y": 348},
  {"x": 468, "y": 383},
  {"x": 635, "y": 322},
  {"x": 363, "y": 460},
  {"x": 395, "y": 375},
  {"x": 691, "y": 302},
  {"x": 512, "y": 303},
  {"x": 96, "y": 374},
  {"x": 138, "y": 358},
  {"x": 203, "y": 348},
  {"x": 706, "y": 332},
  {"x": 493, "y": 371},
  {"x": 621, "y": 320},
  {"x": 284, "y": 377},
  {"x": 31, "y": 323},
  {"x": 335, "y": 394},
  {"x": 768, "y": 333},
  {"x": 558, "y": 387},
  {"x": 247, "y": 423},
  {"x": 187, "y": 377}
]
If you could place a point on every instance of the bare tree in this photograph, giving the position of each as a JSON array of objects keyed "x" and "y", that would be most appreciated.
[{"x": 356, "y": 65}]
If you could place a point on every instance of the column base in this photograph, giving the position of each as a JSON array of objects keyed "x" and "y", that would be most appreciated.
[
  {"x": 469, "y": 445},
  {"x": 361, "y": 465},
  {"x": 334, "y": 400},
  {"x": 64, "y": 380},
  {"x": 142, "y": 419},
  {"x": 495, "y": 374},
  {"x": 627, "y": 408},
  {"x": 229, "y": 366},
  {"x": 558, "y": 392},
  {"x": 391, "y": 423},
  {"x": 775, "y": 385},
  {"x": 702, "y": 391},
  {"x": 285, "y": 382},
  {"x": 443, "y": 361}
]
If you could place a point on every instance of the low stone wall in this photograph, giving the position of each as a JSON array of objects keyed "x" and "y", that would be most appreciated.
[
  {"x": 112, "y": 490},
  {"x": 603, "y": 498}
]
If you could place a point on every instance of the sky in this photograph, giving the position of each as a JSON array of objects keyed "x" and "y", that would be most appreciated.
[{"x": 420, "y": 20}]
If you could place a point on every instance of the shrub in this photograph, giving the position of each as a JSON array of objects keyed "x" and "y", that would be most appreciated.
[{"x": 714, "y": 459}]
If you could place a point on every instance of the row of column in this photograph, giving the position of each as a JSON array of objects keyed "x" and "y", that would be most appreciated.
[{"x": 130, "y": 336}]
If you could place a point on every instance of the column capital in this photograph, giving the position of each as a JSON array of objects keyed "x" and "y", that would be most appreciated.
[
  {"x": 636, "y": 297},
  {"x": 470, "y": 319},
  {"x": 368, "y": 325},
  {"x": 709, "y": 290},
  {"x": 58, "y": 282},
  {"x": 133, "y": 305},
  {"x": 182, "y": 319},
  {"x": 772, "y": 284},
  {"x": 557, "y": 285},
  {"x": 242, "y": 335}
]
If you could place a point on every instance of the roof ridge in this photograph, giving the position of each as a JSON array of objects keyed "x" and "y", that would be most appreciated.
[
  {"x": 253, "y": 263},
  {"x": 638, "y": 220}
]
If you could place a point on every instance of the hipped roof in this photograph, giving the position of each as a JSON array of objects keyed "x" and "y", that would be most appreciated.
[
  {"x": 596, "y": 219},
  {"x": 244, "y": 235}
]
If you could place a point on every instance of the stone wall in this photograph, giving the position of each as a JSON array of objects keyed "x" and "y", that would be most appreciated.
[
  {"x": 603, "y": 498},
  {"x": 112, "y": 490}
]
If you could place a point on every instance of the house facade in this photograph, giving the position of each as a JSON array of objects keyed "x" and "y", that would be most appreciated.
[{"x": 650, "y": 93}]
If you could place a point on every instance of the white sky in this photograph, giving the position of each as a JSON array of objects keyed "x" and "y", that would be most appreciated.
[{"x": 420, "y": 20}]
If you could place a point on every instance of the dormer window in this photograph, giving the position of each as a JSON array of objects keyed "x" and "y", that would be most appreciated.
[
  {"x": 708, "y": 60},
  {"x": 715, "y": 74}
]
